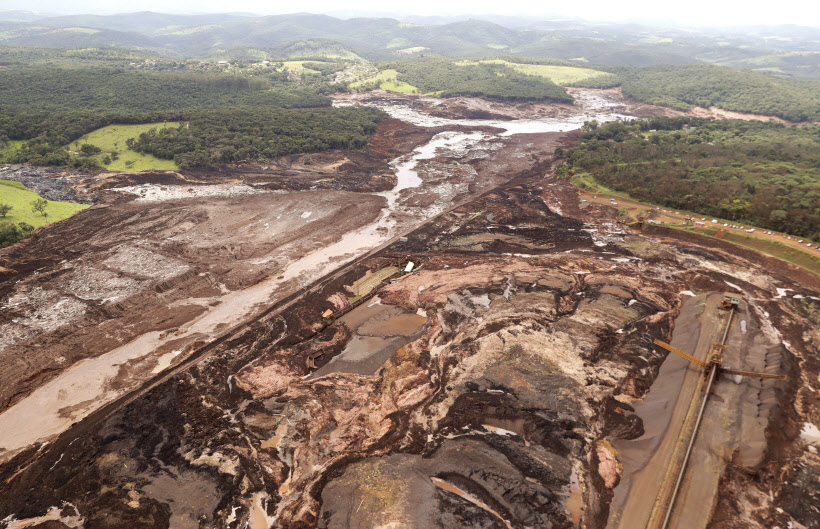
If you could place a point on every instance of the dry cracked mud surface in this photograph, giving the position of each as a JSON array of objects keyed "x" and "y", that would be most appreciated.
[{"x": 492, "y": 387}]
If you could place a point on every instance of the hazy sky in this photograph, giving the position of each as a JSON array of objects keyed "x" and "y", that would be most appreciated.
[{"x": 701, "y": 12}]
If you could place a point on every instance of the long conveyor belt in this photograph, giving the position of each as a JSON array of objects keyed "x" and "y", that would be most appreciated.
[{"x": 713, "y": 369}]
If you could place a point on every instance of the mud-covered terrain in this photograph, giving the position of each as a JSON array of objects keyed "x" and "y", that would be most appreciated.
[{"x": 489, "y": 387}]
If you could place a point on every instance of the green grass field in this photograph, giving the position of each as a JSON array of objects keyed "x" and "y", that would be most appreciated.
[
  {"x": 111, "y": 139},
  {"x": 18, "y": 196},
  {"x": 398, "y": 42},
  {"x": 587, "y": 182},
  {"x": 298, "y": 65},
  {"x": 388, "y": 82},
  {"x": 560, "y": 75}
]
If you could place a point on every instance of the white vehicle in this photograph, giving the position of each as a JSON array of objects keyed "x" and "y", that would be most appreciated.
[
  {"x": 725, "y": 225},
  {"x": 750, "y": 230}
]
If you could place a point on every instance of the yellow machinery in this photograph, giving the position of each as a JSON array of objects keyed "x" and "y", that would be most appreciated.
[
  {"x": 731, "y": 304},
  {"x": 716, "y": 359}
]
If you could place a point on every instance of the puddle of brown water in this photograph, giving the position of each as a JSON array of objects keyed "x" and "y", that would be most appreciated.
[
  {"x": 402, "y": 325},
  {"x": 259, "y": 518},
  {"x": 189, "y": 496},
  {"x": 575, "y": 502},
  {"x": 363, "y": 347},
  {"x": 273, "y": 442}
]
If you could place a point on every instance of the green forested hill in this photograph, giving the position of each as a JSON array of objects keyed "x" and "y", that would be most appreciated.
[
  {"x": 494, "y": 81},
  {"x": 682, "y": 87},
  {"x": 33, "y": 89},
  {"x": 238, "y": 116}
]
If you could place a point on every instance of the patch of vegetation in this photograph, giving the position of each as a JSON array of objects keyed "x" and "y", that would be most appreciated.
[
  {"x": 45, "y": 112},
  {"x": 89, "y": 57},
  {"x": 787, "y": 253},
  {"x": 301, "y": 66},
  {"x": 758, "y": 173},
  {"x": 8, "y": 148},
  {"x": 782, "y": 251},
  {"x": 114, "y": 152},
  {"x": 489, "y": 81},
  {"x": 20, "y": 199},
  {"x": 11, "y": 233},
  {"x": 558, "y": 74},
  {"x": 35, "y": 89},
  {"x": 790, "y": 64},
  {"x": 386, "y": 80},
  {"x": 398, "y": 42},
  {"x": 237, "y": 134},
  {"x": 587, "y": 181}
]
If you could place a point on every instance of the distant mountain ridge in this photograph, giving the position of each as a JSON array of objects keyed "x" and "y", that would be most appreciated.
[{"x": 380, "y": 38}]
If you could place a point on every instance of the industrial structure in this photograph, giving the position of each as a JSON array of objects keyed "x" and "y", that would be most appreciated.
[{"x": 712, "y": 367}]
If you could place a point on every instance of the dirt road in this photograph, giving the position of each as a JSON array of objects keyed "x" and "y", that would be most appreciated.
[{"x": 641, "y": 210}]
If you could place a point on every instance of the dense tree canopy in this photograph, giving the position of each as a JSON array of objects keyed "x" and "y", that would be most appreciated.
[
  {"x": 759, "y": 173},
  {"x": 37, "y": 89},
  {"x": 683, "y": 86},
  {"x": 232, "y": 117},
  {"x": 237, "y": 134}
]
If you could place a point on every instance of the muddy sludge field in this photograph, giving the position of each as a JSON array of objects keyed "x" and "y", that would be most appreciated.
[{"x": 492, "y": 386}]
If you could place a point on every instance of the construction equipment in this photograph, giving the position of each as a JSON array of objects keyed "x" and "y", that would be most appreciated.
[
  {"x": 712, "y": 368},
  {"x": 716, "y": 359},
  {"x": 731, "y": 304}
]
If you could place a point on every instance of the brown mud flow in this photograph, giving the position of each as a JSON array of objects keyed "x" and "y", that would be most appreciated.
[
  {"x": 216, "y": 254},
  {"x": 532, "y": 353}
]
